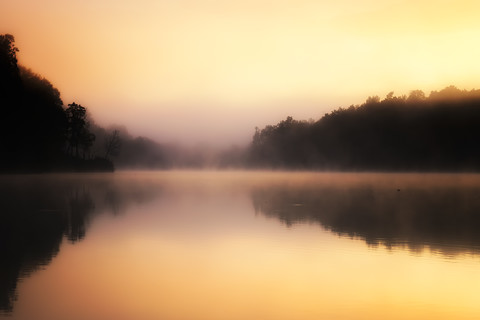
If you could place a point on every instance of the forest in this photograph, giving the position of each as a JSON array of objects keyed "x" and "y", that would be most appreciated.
[
  {"x": 38, "y": 133},
  {"x": 439, "y": 132}
]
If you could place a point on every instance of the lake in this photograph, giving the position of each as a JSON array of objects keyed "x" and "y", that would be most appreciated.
[{"x": 239, "y": 245}]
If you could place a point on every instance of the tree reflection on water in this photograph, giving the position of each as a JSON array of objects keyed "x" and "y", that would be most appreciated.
[
  {"x": 37, "y": 212},
  {"x": 437, "y": 212},
  {"x": 443, "y": 217}
]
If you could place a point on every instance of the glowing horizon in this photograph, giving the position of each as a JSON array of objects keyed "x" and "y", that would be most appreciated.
[{"x": 212, "y": 70}]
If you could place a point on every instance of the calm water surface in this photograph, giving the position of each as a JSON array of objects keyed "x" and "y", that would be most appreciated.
[{"x": 239, "y": 245}]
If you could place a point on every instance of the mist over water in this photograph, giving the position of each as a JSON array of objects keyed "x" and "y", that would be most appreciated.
[
  {"x": 237, "y": 244},
  {"x": 197, "y": 85}
]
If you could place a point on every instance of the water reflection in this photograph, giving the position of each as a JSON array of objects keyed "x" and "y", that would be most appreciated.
[
  {"x": 37, "y": 212},
  {"x": 439, "y": 212},
  {"x": 199, "y": 211}
]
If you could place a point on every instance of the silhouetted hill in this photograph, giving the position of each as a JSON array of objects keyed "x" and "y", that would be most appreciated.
[{"x": 414, "y": 133}]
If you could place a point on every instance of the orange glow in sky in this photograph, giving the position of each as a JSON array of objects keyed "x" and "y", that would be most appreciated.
[{"x": 212, "y": 70}]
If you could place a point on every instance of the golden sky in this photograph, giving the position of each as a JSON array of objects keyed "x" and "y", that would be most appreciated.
[{"x": 212, "y": 70}]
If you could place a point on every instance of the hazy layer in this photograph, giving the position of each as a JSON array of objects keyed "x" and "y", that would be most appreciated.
[{"x": 213, "y": 70}]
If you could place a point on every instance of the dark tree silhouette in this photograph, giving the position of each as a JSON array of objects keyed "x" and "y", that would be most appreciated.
[
  {"x": 113, "y": 144},
  {"x": 45, "y": 123},
  {"x": 10, "y": 97},
  {"x": 86, "y": 142},
  {"x": 33, "y": 121},
  {"x": 36, "y": 132},
  {"x": 418, "y": 133},
  {"x": 9, "y": 77},
  {"x": 78, "y": 135}
]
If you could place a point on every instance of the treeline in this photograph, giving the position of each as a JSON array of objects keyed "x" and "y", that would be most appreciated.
[
  {"x": 37, "y": 133},
  {"x": 439, "y": 132},
  {"x": 128, "y": 151}
]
